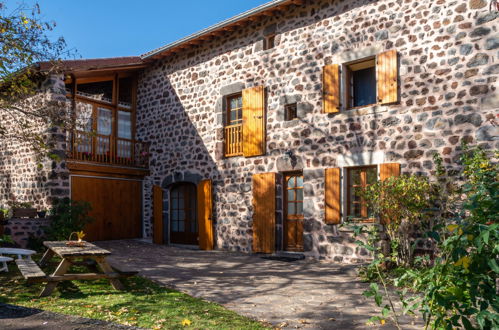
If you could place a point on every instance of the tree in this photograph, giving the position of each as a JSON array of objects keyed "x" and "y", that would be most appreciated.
[{"x": 26, "y": 109}]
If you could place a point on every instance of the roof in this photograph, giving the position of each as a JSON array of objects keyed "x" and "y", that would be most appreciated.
[
  {"x": 267, "y": 9},
  {"x": 94, "y": 64}
]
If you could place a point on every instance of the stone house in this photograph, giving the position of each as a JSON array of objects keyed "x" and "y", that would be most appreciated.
[{"x": 257, "y": 132}]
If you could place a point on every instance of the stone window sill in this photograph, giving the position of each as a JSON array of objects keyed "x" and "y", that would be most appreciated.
[
  {"x": 368, "y": 110},
  {"x": 348, "y": 227}
]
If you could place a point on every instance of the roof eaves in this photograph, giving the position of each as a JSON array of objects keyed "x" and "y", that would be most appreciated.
[{"x": 246, "y": 14}]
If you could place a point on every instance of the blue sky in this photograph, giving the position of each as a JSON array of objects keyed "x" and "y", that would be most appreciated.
[{"x": 109, "y": 28}]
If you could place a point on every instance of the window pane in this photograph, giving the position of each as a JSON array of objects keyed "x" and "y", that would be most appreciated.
[
  {"x": 355, "y": 194},
  {"x": 175, "y": 203},
  {"x": 356, "y": 210},
  {"x": 234, "y": 103},
  {"x": 239, "y": 114},
  {"x": 174, "y": 226},
  {"x": 104, "y": 121},
  {"x": 291, "y": 195},
  {"x": 364, "y": 87},
  {"x": 355, "y": 177},
  {"x": 181, "y": 215},
  {"x": 291, "y": 182},
  {"x": 174, "y": 215},
  {"x": 372, "y": 175},
  {"x": 299, "y": 182},
  {"x": 299, "y": 208},
  {"x": 181, "y": 226},
  {"x": 291, "y": 208},
  {"x": 240, "y": 102},
  {"x": 125, "y": 92},
  {"x": 124, "y": 125},
  {"x": 299, "y": 195},
  {"x": 84, "y": 113},
  {"x": 233, "y": 116}
]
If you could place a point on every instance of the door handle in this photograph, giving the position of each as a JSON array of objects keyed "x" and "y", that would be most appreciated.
[{"x": 258, "y": 117}]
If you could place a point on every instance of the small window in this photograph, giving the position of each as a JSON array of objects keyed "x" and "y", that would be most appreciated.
[
  {"x": 358, "y": 179},
  {"x": 290, "y": 111},
  {"x": 269, "y": 42},
  {"x": 235, "y": 109},
  {"x": 361, "y": 83}
]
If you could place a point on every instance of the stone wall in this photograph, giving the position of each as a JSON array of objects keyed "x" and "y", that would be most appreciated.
[
  {"x": 21, "y": 229},
  {"x": 24, "y": 177},
  {"x": 448, "y": 54}
]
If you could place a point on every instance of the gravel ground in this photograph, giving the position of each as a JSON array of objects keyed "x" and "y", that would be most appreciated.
[{"x": 21, "y": 318}]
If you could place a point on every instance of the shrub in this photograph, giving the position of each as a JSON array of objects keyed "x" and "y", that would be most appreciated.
[
  {"x": 67, "y": 216},
  {"x": 459, "y": 288}
]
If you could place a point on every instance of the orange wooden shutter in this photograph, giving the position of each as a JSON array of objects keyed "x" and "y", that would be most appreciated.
[
  {"x": 331, "y": 88},
  {"x": 157, "y": 193},
  {"x": 264, "y": 212},
  {"x": 387, "y": 75},
  {"x": 333, "y": 195},
  {"x": 254, "y": 121},
  {"x": 205, "y": 208},
  {"x": 386, "y": 171}
]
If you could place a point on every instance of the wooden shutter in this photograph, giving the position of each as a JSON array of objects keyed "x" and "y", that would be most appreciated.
[
  {"x": 386, "y": 171},
  {"x": 157, "y": 193},
  {"x": 254, "y": 121},
  {"x": 264, "y": 212},
  {"x": 387, "y": 75},
  {"x": 205, "y": 208},
  {"x": 331, "y": 88},
  {"x": 333, "y": 196}
]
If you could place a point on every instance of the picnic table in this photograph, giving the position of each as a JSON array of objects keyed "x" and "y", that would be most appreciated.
[{"x": 88, "y": 255}]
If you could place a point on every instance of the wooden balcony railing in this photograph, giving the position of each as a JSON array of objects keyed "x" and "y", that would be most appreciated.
[
  {"x": 233, "y": 140},
  {"x": 107, "y": 149}
]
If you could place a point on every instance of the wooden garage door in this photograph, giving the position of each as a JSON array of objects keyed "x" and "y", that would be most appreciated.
[{"x": 116, "y": 207}]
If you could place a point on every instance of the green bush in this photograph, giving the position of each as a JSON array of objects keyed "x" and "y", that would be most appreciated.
[
  {"x": 457, "y": 289},
  {"x": 67, "y": 216}
]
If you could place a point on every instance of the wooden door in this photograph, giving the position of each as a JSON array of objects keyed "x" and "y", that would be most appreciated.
[
  {"x": 264, "y": 212},
  {"x": 183, "y": 219},
  {"x": 205, "y": 221},
  {"x": 116, "y": 207},
  {"x": 293, "y": 210}
]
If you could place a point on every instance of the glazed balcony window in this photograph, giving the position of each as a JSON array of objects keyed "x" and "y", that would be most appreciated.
[{"x": 105, "y": 121}]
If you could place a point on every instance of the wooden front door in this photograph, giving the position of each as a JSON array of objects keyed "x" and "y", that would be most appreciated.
[
  {"x": 116, "y": 207},
  {"x": 183, "y": 220},
  {"x": 293, "y": 210}
]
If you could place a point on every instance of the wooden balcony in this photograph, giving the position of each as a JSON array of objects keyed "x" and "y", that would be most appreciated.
[
  {"x": 233, "y": 135},
  {"x": 105, "y": 149}
]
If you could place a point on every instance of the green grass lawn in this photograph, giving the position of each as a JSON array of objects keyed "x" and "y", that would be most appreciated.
[{"x": 143, "y": 303}]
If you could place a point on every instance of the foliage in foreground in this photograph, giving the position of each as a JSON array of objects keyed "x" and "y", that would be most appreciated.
[
  {"x": 458, "y": 287},
  {"x": 24, "y": 42},
  {"x": 66, "y": 217},
  {"x": 143, "y": 304}
]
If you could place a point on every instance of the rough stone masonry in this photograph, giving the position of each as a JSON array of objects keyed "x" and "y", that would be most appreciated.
[{"x": 448, "y": 73}]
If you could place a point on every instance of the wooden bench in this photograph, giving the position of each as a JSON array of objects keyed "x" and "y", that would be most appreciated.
[{"x": 30, "y": 271}]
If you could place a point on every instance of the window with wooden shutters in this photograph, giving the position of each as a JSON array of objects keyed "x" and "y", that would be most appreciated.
[
  {"x": 331, "y": 88},
  {"x": 254, "y": 121}
]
